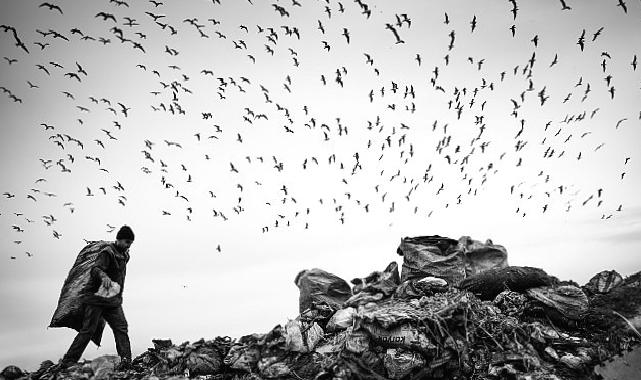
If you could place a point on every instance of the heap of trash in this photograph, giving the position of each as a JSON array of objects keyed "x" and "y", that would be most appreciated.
[{"x": 456, "y": 310}]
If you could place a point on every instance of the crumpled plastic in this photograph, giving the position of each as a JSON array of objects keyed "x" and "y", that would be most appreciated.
[
  {"x": 302, "y": 336},
  {"x": 342, "y": 319},
  {"x": 379, "y": 282},
  {"x": 569, "y": 300},
  {"x": 400, "y": 363}
]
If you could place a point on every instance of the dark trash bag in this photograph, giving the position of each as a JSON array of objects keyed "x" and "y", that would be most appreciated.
[
  {"x": 489, "y": 284},
  {"x": 318, "y": 287},
  {"x": 434, "y": 255},
  {"x": 480, "y": 257},
  {"x": 69, "y": 312}
]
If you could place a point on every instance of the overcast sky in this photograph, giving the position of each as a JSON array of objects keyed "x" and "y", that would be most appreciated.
[{"x": 205, "y": 128}]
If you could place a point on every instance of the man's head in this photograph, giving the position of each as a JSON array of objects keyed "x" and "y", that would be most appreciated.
[{"x": 124, "y": 238}]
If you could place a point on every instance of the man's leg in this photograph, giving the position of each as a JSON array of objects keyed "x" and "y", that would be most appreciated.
[
  {"x": 115, "y": 317},
  {"x": 90, "y": 321}
]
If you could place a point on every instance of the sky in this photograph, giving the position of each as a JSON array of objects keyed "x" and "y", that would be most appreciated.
[{"x": 240, "y": 154}]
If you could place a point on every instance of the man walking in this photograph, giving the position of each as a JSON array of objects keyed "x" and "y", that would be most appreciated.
[{"x": 102, "y": 298}]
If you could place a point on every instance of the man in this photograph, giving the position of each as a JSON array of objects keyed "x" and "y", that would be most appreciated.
[{"x": 107, "y": 274}]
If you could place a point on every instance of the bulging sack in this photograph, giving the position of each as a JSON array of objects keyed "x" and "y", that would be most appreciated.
[
  {"x": 318, "y": 287},
  {"x": 480, "y": 257},
  {"x": 435, "y": 256},
  {"x": 69, "y": 312},
  {"x": 447, "y": 258}
]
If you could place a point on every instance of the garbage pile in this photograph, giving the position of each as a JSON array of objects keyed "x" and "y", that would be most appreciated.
[{"x": 456, "y": 310}]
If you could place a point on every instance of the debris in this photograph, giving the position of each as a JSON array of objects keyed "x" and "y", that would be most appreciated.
[
  {"x": 342, "y": 319},
  {"x": 603, "y": 282},
  {"x": 568, "y": 300},
  {"x": 318, "y": 287},
  {"x": 302, "y": 336},
  {"x": 480, "y": 257},
  {"x": 435, "y": 256},
  {"x": 104, "y": 366},
  {"x": 426, "y": 286},
  {"x": 504, "y": 322},
  {"x": 379, "y": 282},
  {"x": 399, "y": 363}
]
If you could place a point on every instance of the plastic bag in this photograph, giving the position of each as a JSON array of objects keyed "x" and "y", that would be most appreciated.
[
  {"x": 319, "y": 287},
  {"x": 242, "y": 357},
  {"x": 113, "y": 290},
  {"x": 569, "y": 300},
  {"x": 489, "y": 284},
  {"x": 603, "y": 282},
  {"x": 342, "y": 319},
  {"x": 69, "y": 312},
  {"x": 418, "y": 288},
  {"x": 206, "y": 361},
  {"x": 302, "y": 336},
  {"x": 479, "y": 257},
  {"x": 379, "y": 282},
  {"x": 435, "y": 256}
]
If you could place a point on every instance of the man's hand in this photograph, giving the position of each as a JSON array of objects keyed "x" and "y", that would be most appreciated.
[{"x": 106, "y": 282}]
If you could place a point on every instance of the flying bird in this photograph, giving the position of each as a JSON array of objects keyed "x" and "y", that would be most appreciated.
[{"x": 51, "y": 7}]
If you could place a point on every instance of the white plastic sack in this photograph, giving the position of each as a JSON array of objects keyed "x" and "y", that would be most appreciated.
[
  {"x": 302, "y": 336},
  {"x": 342, "y": 319}
]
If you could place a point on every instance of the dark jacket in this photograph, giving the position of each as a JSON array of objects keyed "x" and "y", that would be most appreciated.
[{"x": 112, "y": 263}]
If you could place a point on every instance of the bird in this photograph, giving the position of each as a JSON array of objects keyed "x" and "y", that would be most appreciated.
[
  {"x": 395, "y": 32},
  {"x": 346, "y": 34},
  {"x": 51, "y": 7},
  {"x": 106, "y": 16},
  {"x": 581, "y": 41},
  {"x": 564, "y": 6}
]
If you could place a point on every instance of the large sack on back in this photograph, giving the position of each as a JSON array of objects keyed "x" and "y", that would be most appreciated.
[
  {"x": 435, "y": 256},
  {"x": 318, "y": 287},
  {"x": 489, "y": 284},
  {"x": 69, "y": 312},
  {"x": 479, "y": 257}
]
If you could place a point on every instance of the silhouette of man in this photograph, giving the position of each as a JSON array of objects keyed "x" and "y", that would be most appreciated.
[{"x": 107, "y": 277}]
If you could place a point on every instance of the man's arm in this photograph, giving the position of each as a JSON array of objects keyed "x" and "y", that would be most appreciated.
[{"x": 99, "y": 270}]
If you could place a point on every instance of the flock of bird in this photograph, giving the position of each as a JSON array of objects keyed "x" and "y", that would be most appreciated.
[{"x": 389, "y": 166}]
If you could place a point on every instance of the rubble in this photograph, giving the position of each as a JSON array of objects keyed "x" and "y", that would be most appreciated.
[{"x": 464, "y": 315}]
